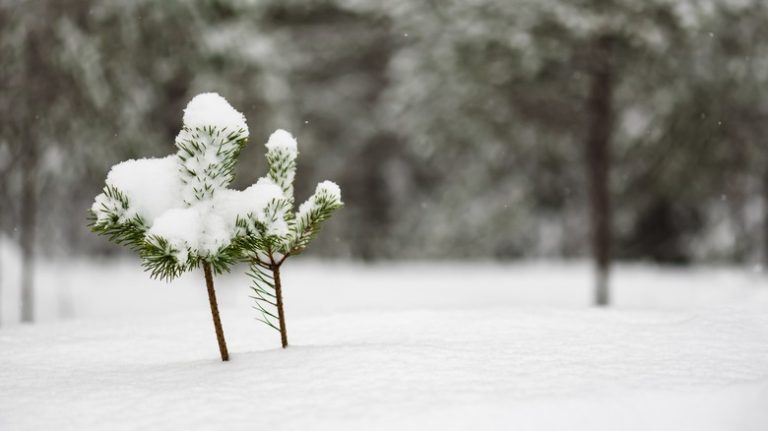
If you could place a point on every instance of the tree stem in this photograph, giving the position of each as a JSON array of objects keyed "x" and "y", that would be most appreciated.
[
  {"x": 600, "y": 125},
  {"x": 28, "y": 225},
  {"x": 280, "y": 311},
  {"x": 215, "y": 312}
]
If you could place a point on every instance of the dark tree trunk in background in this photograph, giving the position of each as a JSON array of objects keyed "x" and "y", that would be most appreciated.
[
  {"x": 371, "y": 191},
  {"x": 3, "y": 204},
  {"x": 38, "y": 86},
  {"x": 765, "y": 218},
  {"x": 598, "y": 162},
  {"x": 28, "y": 226},
  {"x": 1, "y": 266}
]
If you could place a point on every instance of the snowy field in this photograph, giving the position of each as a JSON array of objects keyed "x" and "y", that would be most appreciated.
[{"x": 390, "y": 346}]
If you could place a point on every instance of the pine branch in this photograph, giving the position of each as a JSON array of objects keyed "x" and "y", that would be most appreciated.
[
  {"x": 264, "y": 295},
  {"x": 130, "y": 234},
  {"x": 109, "y": 218},
  {"x": 281, "y": 159},
  {"x": 222, "y": 260},
  {"x": 317, "y": 209},
  {"x": 282, "y": 170},
  {"x": 161, "y": 259},
  {"x": 208, "y": 156}
]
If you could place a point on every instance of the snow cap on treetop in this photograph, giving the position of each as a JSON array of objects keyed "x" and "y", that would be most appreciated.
[
  {"x": 280, "y": 140},
  {"x": 330, "y": 189},
  {"x": 210, "y": 109}
]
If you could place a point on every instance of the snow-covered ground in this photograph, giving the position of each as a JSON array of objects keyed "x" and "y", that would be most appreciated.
[{"x": 391, "y": 346}]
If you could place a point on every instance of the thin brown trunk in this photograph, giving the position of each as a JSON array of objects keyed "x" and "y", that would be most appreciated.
[
  {"x": 215, "y": 312},
  {"x": 280, "y": 308},
  {"x": 598, "y": 161}
]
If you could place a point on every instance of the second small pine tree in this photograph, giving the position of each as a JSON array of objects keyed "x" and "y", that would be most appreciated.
[{"x": 267, "y": 251}]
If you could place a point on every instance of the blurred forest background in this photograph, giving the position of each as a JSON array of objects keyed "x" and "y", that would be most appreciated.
[{"x": 482, "y": 129}]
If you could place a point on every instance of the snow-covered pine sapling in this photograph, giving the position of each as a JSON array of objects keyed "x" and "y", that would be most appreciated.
[
  {"x": 287, "y": 233},
  {"x": 176, "y": 211}
]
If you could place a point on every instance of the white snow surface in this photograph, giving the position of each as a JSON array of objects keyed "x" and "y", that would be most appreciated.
[
  {"x": 212, "y": 110},
  {"x": 151, "y": 185},
  {"x": 446, "y": 346}
]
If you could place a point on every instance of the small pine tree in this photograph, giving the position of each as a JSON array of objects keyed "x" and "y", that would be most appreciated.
[
  {"x": 291, "y": 232},
  {"x": 177, "y": 211},
  {"x": 179, "y": 215}
]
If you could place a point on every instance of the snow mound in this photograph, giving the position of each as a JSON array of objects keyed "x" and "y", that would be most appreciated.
[{"x": 534, "y": 368}]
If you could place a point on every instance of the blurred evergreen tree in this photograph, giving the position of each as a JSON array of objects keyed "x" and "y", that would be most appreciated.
[{"x": 458, "y": 129}]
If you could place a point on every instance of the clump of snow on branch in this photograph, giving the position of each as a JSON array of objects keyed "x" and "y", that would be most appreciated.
[
  {"x": 330, "y": 190},
  {"x": 282, "y": 141},
  {"x": 316, "y": 209},
  {"x": 149, "y": 188},
  {"x": 325, "y": 193},
  {"x": 251, "y": 206},
  {"x": 196, "y": 230},
  {"x": 212, "y": 110}
]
